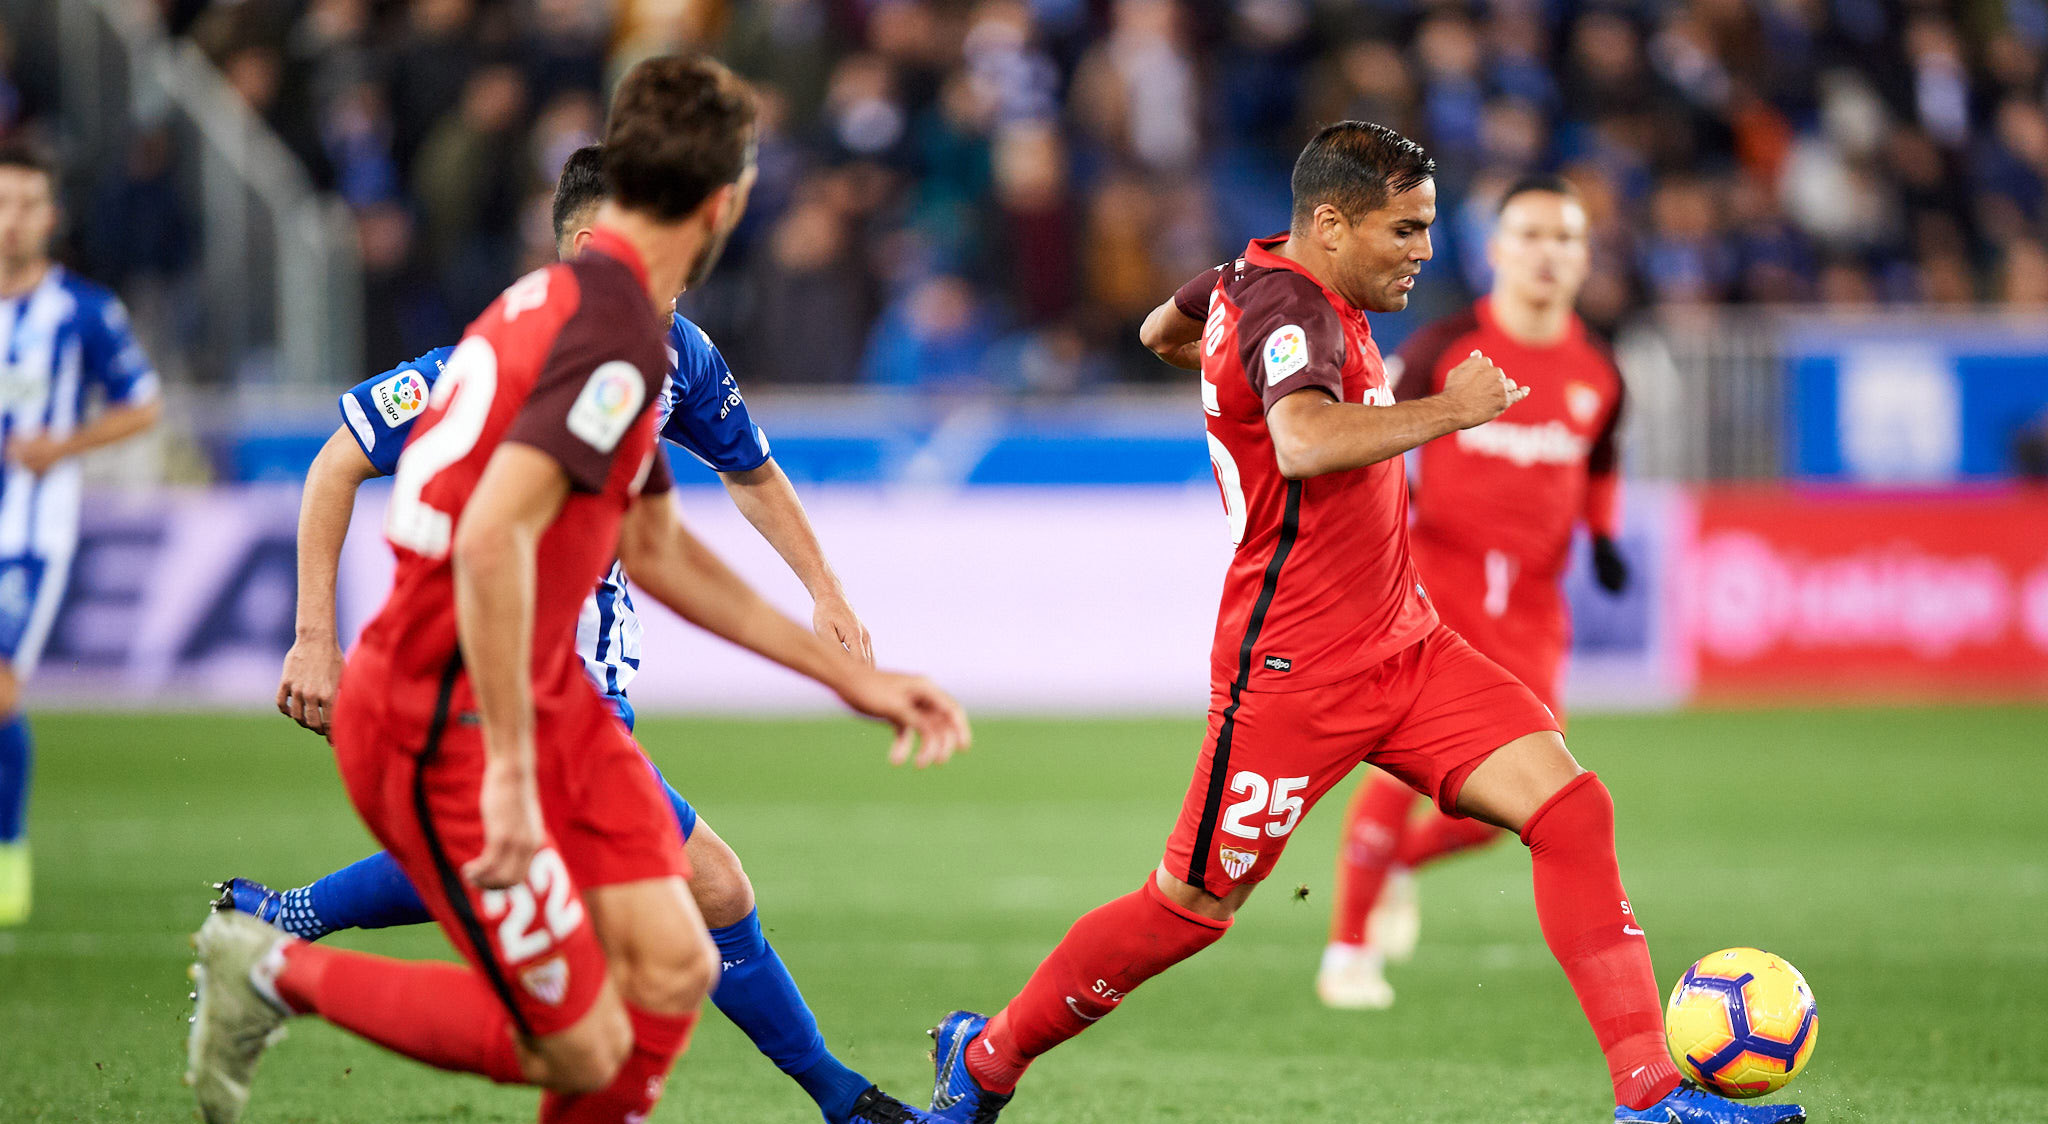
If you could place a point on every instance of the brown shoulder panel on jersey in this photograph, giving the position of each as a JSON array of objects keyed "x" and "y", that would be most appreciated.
[
  {"x": 594, "y": 383},
  {"x": 1422, "y": 351},
  {"x": 1192, "y": 299},
  {"x": 1289, "y": 337}
]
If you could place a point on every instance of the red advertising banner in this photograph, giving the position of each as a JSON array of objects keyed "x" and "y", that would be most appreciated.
[{"x": 1828, "y": 594}]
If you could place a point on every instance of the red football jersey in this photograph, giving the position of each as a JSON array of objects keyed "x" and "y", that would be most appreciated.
[
  {"x": 568, "y": 360},
  {"x": 1321, "y": 587},
  {"x": 1519, "y": 483}
]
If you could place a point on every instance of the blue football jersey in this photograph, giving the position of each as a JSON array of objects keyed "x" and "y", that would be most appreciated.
[
  {"x": 701, "y": 410},
  {"x": 63, "y": 344}
]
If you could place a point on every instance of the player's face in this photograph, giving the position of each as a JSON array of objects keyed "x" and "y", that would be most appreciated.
[
  {"x": 28, "y": 215},
  {"x": 726, "y": 216},
  {"x": 1382, "y": 252},
  {"x": 1540, "y": 252}
]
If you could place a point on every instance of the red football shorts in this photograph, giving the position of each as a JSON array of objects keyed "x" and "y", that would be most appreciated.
[
  {"x": 1518, "y": 620},
  {"x": 607, "y": 823},
  {"x": 1428, "y": 714}
]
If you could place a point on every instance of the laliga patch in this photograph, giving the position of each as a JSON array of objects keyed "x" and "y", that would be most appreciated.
[
  {"x": 547, "y": 982},
  {"x": 400, "y": 398},
  {"x": 607, "y": 405},
  {"x": 1286, "y": 352},
  {"x": 1236, "y": 862}
]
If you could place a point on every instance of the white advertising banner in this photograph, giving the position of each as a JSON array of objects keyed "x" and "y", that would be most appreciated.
[
  {"x": 1054, "y": 600},
  {"x": 1036, "y": 600}
]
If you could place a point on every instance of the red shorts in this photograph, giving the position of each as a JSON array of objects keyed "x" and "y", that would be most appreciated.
[
  {"x": 1517, "y": 620},
  {"x": 1428, "y": 714},
  {"x": 607, "y": 823}
]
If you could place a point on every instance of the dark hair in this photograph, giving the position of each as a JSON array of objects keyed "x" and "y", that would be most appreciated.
[
  {"x": 682, "y": 126},
  {"x": 580, "y": 187},
  {"x": 21, "y": 154},
  {"x": 1356, "y": 166},
  {"x": 1543, "y": 184}
]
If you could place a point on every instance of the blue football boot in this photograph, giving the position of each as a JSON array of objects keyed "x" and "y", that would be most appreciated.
[
  {"x": 877, "y": 1107},
  {"x": 246, "y": 895},
  {"x": 1690, "y": 1104},
  {"x": 956, "y": 1096}
]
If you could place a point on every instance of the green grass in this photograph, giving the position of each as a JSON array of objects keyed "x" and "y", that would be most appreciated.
[{"x": 1900, "y": 858}]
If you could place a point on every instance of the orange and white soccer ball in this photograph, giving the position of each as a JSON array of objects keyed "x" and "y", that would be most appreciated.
[{"x": 1741, "y": 1022}]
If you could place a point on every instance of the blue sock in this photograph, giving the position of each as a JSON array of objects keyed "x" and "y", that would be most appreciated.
[
  {"x": 15, "y": 760},
  {"x": 370, "y": 893},
  {"x": 760, "y": 998}
]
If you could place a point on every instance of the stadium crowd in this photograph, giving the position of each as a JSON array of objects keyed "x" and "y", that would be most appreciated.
[{"x": 991, "y": 193}]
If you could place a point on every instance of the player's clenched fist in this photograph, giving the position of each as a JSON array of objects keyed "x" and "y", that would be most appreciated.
[
  {"x": 1480, "y": 391},
  {"x": 312, "y": 676},
  {"x": 917, "y": 707}
]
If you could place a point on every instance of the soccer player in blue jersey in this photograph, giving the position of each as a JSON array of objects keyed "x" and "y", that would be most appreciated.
[
  {"x": 702, "y": 411},
  {"x": 66, "y": 342}
]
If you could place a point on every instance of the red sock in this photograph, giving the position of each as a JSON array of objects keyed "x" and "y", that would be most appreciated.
[
  {"x": 442, "y": 1014},
  {"x": 1592, "y": 930},
  {"x": 1373, "y": 830},
  {"x": 1107, "y": 953},
  {"x": 1436, "y": 835},
  {"x": 658, "y": 1040}
]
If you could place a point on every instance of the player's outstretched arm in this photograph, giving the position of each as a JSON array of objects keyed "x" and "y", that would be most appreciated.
[
  {"x": 1173, "y": 336},
  {"x": 494, "y": 561},
  {"x": 666, "y": 561},
  {"x": 312, "y": 669},
  {"x": 769, "y": 501},
  {"x": 1314, "y": 434}
]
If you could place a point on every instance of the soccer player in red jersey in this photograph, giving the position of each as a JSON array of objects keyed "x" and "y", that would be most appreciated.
[
  {"x": 1328, "y": 652},
  {"x": 468, "y": 735},
  {"x": 1495, "y": 508}
]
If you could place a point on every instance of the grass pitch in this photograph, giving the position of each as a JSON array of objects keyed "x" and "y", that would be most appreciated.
[{"x": 1899, "y": 858}]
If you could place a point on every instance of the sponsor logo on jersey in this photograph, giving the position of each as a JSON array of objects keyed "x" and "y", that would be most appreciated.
[
  {"x": 1286, "y": 352},
  {"x": 547, "y": 981},
  {"x": 1279, "y": 663},
  {"x": 1378, "y": 396},
  {"x": 1553, "y": 442},
  {"x": 606, "y": 407},
  {"x": 1236, "y": 862},
  {"x": 400, "y": 398},
  {"x": 1583, "y": 401}
]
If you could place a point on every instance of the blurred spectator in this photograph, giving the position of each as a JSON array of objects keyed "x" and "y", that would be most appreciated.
[
  {"x": 404, "y": 315},
  {"x": 810, "y": 301},
  {"x": 989, "y": 193},
  {"x": 137, "y": 229},
  {"x": 429, "y": 68},
  {"x": 933, "y": 338},
  {"x": 1134, "y": 91},
  {"x": 470, "y": 179},
  {"x": 1034, "y": 240}
]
